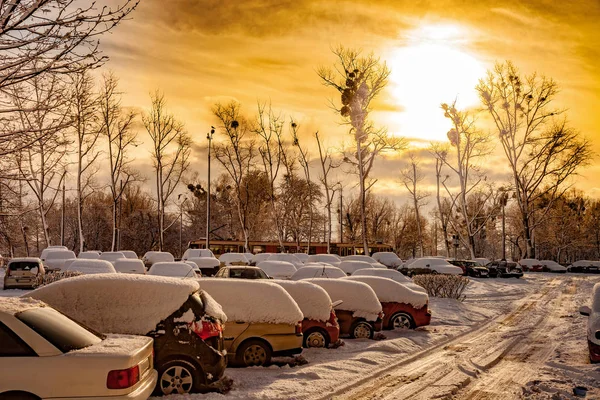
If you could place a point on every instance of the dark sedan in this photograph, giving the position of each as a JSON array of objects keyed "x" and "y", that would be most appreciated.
[
  {"x": 504, "y": 269},
  {"x": 471, "y": 268}
]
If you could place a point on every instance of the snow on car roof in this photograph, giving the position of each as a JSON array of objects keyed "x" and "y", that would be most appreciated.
[
  {"x": 349, "y": 266},
  {"x": 86, "y": 266},
  {"x": 60, "y": 254},
  {"x": 25, "y": 259},
  {"x": 13, "y": 305},
  {"x": 284, "y": 257},
  {"x": 111, "y": 255},
  {"x": 359, "y": 257},
  {"x": 117, "y": 303},
  {"x": 173, "y": 269},
  {"x": 318, "y": 271},
  {"x": 130, "y": 265},
  {"x": 313, "y": 300},
  {"x": 582, "y": 263},
  {"x": 389, "y": 291},
  {"x": 193, "y": 253},
  {"x": 158, "y": 256},
  {"x": 233, "y": 257},
  {"x": 129, "y": 253},
  {"x": 88, "y": 255},
  {"x": 328, "y": 258},
  {"x": 277, "y": 269},
  {"x": 356, "y": 296},
  {"x": 253, "y": 301},
  {"x": 205, "y": 262},
  {"x": 386, "y": 273}
]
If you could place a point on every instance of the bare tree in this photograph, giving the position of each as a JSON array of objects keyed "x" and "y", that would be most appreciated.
[
  {"x": 327, "y": 165},
  {"x": 304, "y": 162},
  {"x": 170, "y": 154},
  {"x": 359, "y": 79},
  {"x": 440, "y": 152},
  {"x": 116, "y": 128},
  {"x": 542, "y": 151},
  {"x": 83, "y": 105},
  {"x": 236, "y": 154},
  {"x": 411, "y": 177}
]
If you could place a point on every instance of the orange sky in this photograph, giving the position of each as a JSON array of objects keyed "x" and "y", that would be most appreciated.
[{"x": 202, "y": 52}]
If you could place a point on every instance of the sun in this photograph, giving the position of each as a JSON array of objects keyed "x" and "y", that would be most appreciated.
[{"x": 433, "y": 67}]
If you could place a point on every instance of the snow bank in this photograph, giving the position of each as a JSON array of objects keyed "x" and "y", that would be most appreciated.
[
  {"x": 130, "y": 266},
  {"x": 389, "y": 291},
  {"x": 152, "y": 257},
  {"x": 117, "y": 303},
  {"x": 318, "y": 271},
  {"x": 326, "y": 258},
  {"x": 87, "y": 267},
  {"x": 194, "y": 253},
  {"x": 349, "y": 266},
  {"x": 278, "y": 269},
  {"x": 253, "y": 301},
  {"x": 356, "y": 296},
  {"x": 205, "y": 262},
  {"x": 228, "y": 258},
  {"x": 89, "y": 255},
  {"x": 13, "y": 305},
  {"x": 173, "y": 269},
  {"x": 313, "y": 300}
]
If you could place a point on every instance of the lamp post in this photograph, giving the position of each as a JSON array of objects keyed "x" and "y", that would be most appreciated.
[
  {"x": 181, "y": 224},
  {"x": 209, "y": 136},
  {"x": 503, "y": 201}
]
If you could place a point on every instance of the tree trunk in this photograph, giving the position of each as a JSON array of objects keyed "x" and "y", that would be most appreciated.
[
  {"x": 363, "y": 197},
  {"x": 416, "y": 204},
  {"x": 114, "y": 224}
]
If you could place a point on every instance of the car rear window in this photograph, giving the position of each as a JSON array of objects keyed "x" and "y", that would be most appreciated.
[
  {"x": 22, "y": 265},
  {"x": 247, "y": 273},
  {"x": 64, "y": 333}
]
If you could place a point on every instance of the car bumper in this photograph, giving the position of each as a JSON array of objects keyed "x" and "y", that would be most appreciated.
[
  {"x": 334, "y": 333},
  {"x": 594, "y": 352},
  {"x": 142, "y": 392},
  {"x": 422, "y": 318}
]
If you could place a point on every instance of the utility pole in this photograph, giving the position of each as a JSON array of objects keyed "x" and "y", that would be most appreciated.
[
  {"x": 120, "y": 218},
  {"x": 62, "y": 217},
  {"x": 341, "y": 215},
  {"x": 209, "y": 136},
  {"x": 503, "y": 201},
  {"x": 181, "y": 225}
]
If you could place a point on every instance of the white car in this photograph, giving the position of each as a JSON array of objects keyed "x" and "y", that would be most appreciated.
[
  {"x": 552, "y": 266},
  {"x": 130, "y": 266},
  {"x": 387, "y": 258},
  {"x": 174, "y": 269},
  {"x": 49, "y": 249},
  {"x": 531, "y": 264},
  {"x": 88, "y": 267},
  {"x": 46, "y": 350},
  {"x": 230, "y": 258},
  {"x": 111, "y": 256},
  {"x": 435, "y": 265},
  {"x": 330, "y": 259},
  {"x": 89, "y": 255},
  {"x": 593, "y": 325},
  {"x": 152, "y": 257},
  {"x": 194, "y": 253},
  {"x": 55, "y": 259}
]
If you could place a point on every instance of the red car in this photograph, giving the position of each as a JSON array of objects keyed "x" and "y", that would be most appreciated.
[
  {"x": 356, "y": 327},
  {"x": 403, "y": 308},
  {"x": 321, "y": 334}
]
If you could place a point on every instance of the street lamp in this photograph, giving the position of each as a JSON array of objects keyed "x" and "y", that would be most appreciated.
[
  {"x": 209, "y": 136},
  {"x": 181, "y": 224},
  {"x": 503, "y": 200}
]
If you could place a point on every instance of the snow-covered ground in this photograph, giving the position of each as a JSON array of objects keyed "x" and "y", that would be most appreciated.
[{"x": 509, "y": 339}]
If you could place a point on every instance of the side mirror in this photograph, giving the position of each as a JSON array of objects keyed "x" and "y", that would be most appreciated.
[{"x": 585, "y": 310}]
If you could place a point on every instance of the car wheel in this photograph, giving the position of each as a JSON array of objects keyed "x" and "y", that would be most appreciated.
[
  {"x": 316, "y": 338},
  {"x": 361, "y": 330},
  {"x": 178, "y": 376},
  {"x": 254, "y": 353},
  {"x": 402, "y": 321},
  {"x": 18, "y": 396}
]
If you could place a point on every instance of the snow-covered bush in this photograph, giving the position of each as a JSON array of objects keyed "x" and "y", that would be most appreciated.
[
  {"x": 49, "y": 277},
  {"x": 446, "y": 286}
]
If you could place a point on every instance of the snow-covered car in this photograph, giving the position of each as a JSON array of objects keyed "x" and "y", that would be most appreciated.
[
  {"x": 185, "y": 323},
  {"x": 151, "y": 257},
  {"x": 593, "y": 325},
  {"x": 432, "y": 266},
  {"x": 55, "y": 259},
  {"x": 241, "y": 272},
  {"x": 209, "y": 266},
  {"x": 471, "y": 268},
  {"x": 265, "y": 321},
  {"x": 88, "y": 267},
  {"x": 584, "y": 266},
  {"x": 303, "y": 257},
  {"x": 390, "y": 274},
  {"x": 43, "y": 351},
  {"x": 349, "y": 266},
  {"x": 111, "y": 256},
  {"x": 552, "y": 266},
  {"x": 233, "y": 259},
  {"x": 359, "y": 314},
  {"x": 531, "y": 264},
  {"x": 49, "y": 249},
  {"x": 277, "y": 269},
  {"x": 89, "y": 255},
  {"x": 194, "y": 253},
  {"x": 319, "y": 326},
  {"x": 482, "y": 261},
  {"x": 318, "y": 271},
  {"x": 130, "y": 266},
  {"x": 403, "y": 308},
  {"x": 359, "y": 257},
  {"x": 175, "y": 269},
  {"x": 331, "y": 259},
  {"x": 260, "y": 257},
  {"x": 387, "y": 258},
  {"x": 194, "y": 266},
  {"x": 291, "y": 258},
  {"x": 21, "y": 273},
  {"x": 129, "y": 254},
  {"x": 504, "y": 269}
]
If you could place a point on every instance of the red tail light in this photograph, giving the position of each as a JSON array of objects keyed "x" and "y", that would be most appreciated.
[
  {"x": 123, "y": 378},
  {"x": 299, "y": 328},
  {"x": 207, "y": 329},
  {"x": 381, "y": 315}
]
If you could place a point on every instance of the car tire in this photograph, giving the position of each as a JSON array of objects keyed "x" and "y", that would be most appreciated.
[
  {"x": 316, "y": 337},
  {"x": 253, "y": 353},
  {"x": 179, "y": 377},
  {"x": 18, "y": 396},
  {"x": 402, "y": 320},
  {"x": 361, "y": 330}
]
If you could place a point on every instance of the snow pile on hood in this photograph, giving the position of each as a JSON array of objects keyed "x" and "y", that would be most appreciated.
[
  {"x": 152, "y": 257},
  {"x": 174, "y": 269},
  {"x": 228, "y": 258},
  {"x": 253, "y": 301},
  {"x": 318, "y": 271},
  {"x": 211, "y": 307},
  {"x": 357, "y": 297},
  {"x": 205, "y": 262},
  {"x": 13, "y": 305},
  {"x": 349, "y": 266},
  {"x": 389, "y": 291},
  {"x": 278, "y": 269},
  {"x": 130, "y": 266},
  {"x": 117, "y": 303},
  {"x": 91, "y": 267},
  {"x": 390, "y": 274},
  {"x": 313, "y": 300}
]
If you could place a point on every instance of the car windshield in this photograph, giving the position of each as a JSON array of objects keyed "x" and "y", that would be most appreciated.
[
  {"x": 22, "y": 265},
  {"x": 247, "y": 273},
  {"x": 64, "y": 333}
]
